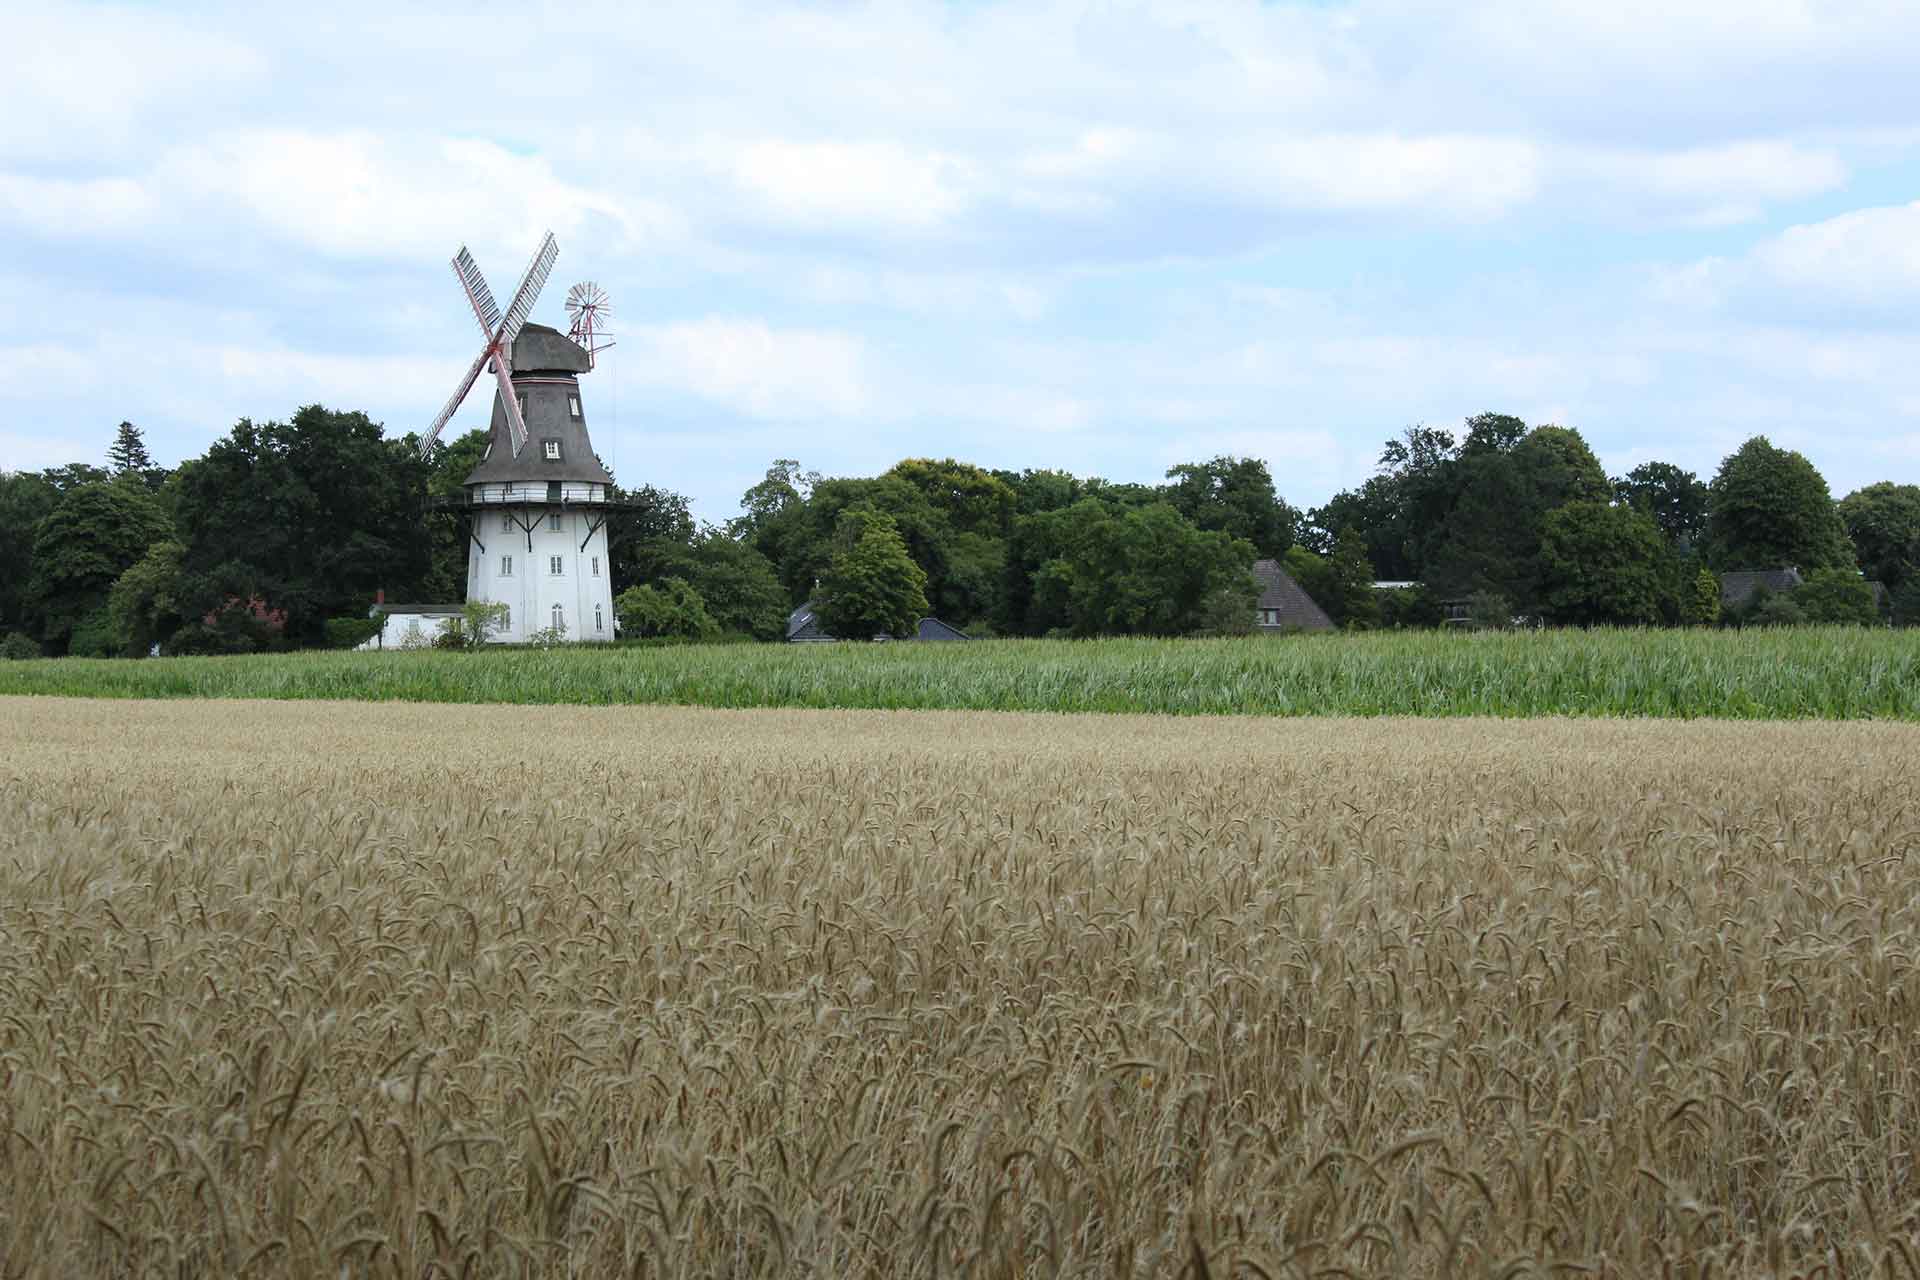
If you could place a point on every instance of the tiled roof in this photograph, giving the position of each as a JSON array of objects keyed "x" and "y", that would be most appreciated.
[
  {"x": 934, "y": 629},
  {"x": 1279, "y": 591},
  {"x": 1736, "y": 587}
]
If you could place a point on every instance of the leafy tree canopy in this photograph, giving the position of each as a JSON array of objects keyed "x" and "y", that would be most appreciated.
[
  {"x": 1768, "y": 507},
  {"x": 311, "y": 515},
  {"x": 1234, "y": 496},
  {"x": 1883, "y": 520},
  {"x": 81, "y": 546},
  {"x": 1676, "y": 499},
  {"x": 1603, "y": 565},
  {"x": 667, "y": 608},
  {"x": 872, "y": 586}
]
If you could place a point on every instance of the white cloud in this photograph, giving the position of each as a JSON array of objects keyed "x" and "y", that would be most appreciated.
[
  {"x": 752, "y": 368},
  {"x": 358, "y": 194},
  {"x": 61, "y": 207},
  {"x": 1451, "y": 174},
  {"x": 1868, "y": 255},
  {"x": 883, "y": 184}
]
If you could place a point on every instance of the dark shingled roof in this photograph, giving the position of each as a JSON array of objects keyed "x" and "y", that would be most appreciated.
[
  {"x": 934, "y": 629},
  {"x": 803, "y": 626},
  {"x": 1737, "y": 587},
  {"x": 550, "y": 360},
  {"x": 1279, "y": 591}
]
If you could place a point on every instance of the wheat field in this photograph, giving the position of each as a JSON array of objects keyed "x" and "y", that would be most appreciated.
[{"x": 303, "y": 989}]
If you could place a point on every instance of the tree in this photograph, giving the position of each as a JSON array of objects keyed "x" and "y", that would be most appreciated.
[
  {"x": 1139, "y": 571},
  {"x": 873, "y": 586},
  {"x": 1603, "y": 565},
  {"x": 1492, "y": 534},
  {"x": 88, "y": 540},
  {"x": 1883, "y": 520},
  {"x": 1352, "y": 583},
  {"x": 1234, "y": 496},
  {"x": 669, "y": 608},
  {"x": 25, "y": 499},
  {"x": 449, "y": 463},
  {"x": 481, "y": 620},
  {"x": 1837, "y": 597},
  {"x": 1702, "y": 605},
  {"x": 310, "y": 516},
  {"x": 144, "y": 602},
  {"x": 738, "y": 585},
  {"x": 130, "y": 459},
  {"x": 1674, "y": 498},
  {"x": 1769, "y": 507}
]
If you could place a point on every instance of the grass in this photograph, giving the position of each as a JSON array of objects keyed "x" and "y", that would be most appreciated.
[
  {"x": 1835, "y": 673},
  {"x": 540, "y": 991}
]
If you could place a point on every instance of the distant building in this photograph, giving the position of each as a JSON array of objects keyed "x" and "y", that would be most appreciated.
[
  {"x": 1737, "y": 587},
  {"x": 409, "y": 626},
  {"x": 1284, "y": 605},
  {"x": 803, "y": 627}
]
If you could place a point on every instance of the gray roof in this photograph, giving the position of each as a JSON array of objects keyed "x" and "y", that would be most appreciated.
[
  {"x": 804, "y": 626},
  {"x": 1279, "y": 591},
  {"x": 423, "y": 610},
  {"x": 1739, "y": 585},
  {"x": 549, "y": 361},
  {"x": 934, "y": 629}
]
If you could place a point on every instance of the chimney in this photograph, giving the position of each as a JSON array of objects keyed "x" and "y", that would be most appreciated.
[{"x": 380, "y": 595}]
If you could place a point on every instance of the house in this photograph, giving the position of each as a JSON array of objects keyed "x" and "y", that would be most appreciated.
[
  {"x": 1283, "y": 604},
  {"x": 1737, "y": 587},
  {"x": 803, "y": 627},
  {"x": 410, "y": 626}
]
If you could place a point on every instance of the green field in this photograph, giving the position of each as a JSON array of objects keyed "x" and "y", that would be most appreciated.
[{"x": 1755, "y": 674}]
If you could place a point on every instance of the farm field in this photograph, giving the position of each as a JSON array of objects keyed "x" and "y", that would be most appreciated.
[
  {"x": 1831, "y": 673},
  {"x": 323, "y": 988}
]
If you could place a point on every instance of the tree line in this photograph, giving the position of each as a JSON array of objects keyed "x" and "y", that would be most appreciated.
[{"x": 281, "y": 533}]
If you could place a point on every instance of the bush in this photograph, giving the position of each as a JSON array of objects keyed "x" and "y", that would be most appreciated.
[
  {"x": 95, "y": 636},
  {"x": 670, "y": 608},
  {"x": 1405, "y": 607},
  {"x": 1771, "y": 609},
  {"x": 1838, "y": 596},
  {"x": 352, "y": 632},
  {"x": 18, "y": 648},
  {"x": 1489, "y": 611}
]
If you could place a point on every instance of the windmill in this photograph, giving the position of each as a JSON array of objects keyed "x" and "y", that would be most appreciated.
[
  {"x": 587, "y": 312},
  {"x": 536, "y": 504},
  {"x": 499, "y": 330}
]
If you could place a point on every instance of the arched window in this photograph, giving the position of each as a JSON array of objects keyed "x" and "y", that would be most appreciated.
[
  {"x": 559, "y": 619},
  {"x": 599, "y": 624}
]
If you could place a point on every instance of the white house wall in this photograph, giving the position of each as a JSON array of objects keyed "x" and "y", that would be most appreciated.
[{"x": 531, "y": 590}]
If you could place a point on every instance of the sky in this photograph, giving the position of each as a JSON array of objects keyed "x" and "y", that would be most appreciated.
[{"x": 1104, "y": 237}]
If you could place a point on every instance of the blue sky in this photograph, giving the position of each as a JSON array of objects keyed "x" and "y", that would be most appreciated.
[{"x": 1104, "y": 237}]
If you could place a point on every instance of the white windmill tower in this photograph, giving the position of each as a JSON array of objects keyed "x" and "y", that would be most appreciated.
[{"x": 538, "y": 501}]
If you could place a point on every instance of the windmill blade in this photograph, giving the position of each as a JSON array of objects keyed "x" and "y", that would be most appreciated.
[
  {"x": 510, "y": 402},
  {"x": 478, "y": 295},
  {"x": 530, "y": 286},
  {"x": 453, "y": 405}
]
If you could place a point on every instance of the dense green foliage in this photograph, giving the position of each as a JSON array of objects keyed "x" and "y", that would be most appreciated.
[
  {"x": 283, "y": 526},
  {"x": 1757, "y": 673},
  {"x": 667, "y": 609},
  {"x": 1769, "y": 507},
  {"x": 872, "y": 586}
]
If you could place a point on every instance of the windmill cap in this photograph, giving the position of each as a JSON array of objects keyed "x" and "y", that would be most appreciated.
[{"x": 540, "y": 349}]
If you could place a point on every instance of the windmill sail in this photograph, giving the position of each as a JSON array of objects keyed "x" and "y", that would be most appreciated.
[{"x": 500, "y": 331}]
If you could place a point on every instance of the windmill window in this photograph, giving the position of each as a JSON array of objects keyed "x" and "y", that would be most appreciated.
[
  {"x": 596, "y": 566},
  {"x": 553, "y": 491},
  {"x": 553, "y": 521},
  {"x": 506, "y": 566},
  {"x": 559, "y": 619},
  {"x": 599, "y": 622},
  {"x": 573, "y": 406},
  {"x": 556, "y": 566},
  {"x": 506, "y": 617},
  {"x": 551, "y": 449},
  {"x": 506, "y": 524}
]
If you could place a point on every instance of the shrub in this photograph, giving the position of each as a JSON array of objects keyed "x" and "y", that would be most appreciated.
[
  {"x": 670, "y": 608},
  {"x": 18, "y": 648},
  {"x": 1837, "y": 596},
  {"x": 352, "y": 632}
]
